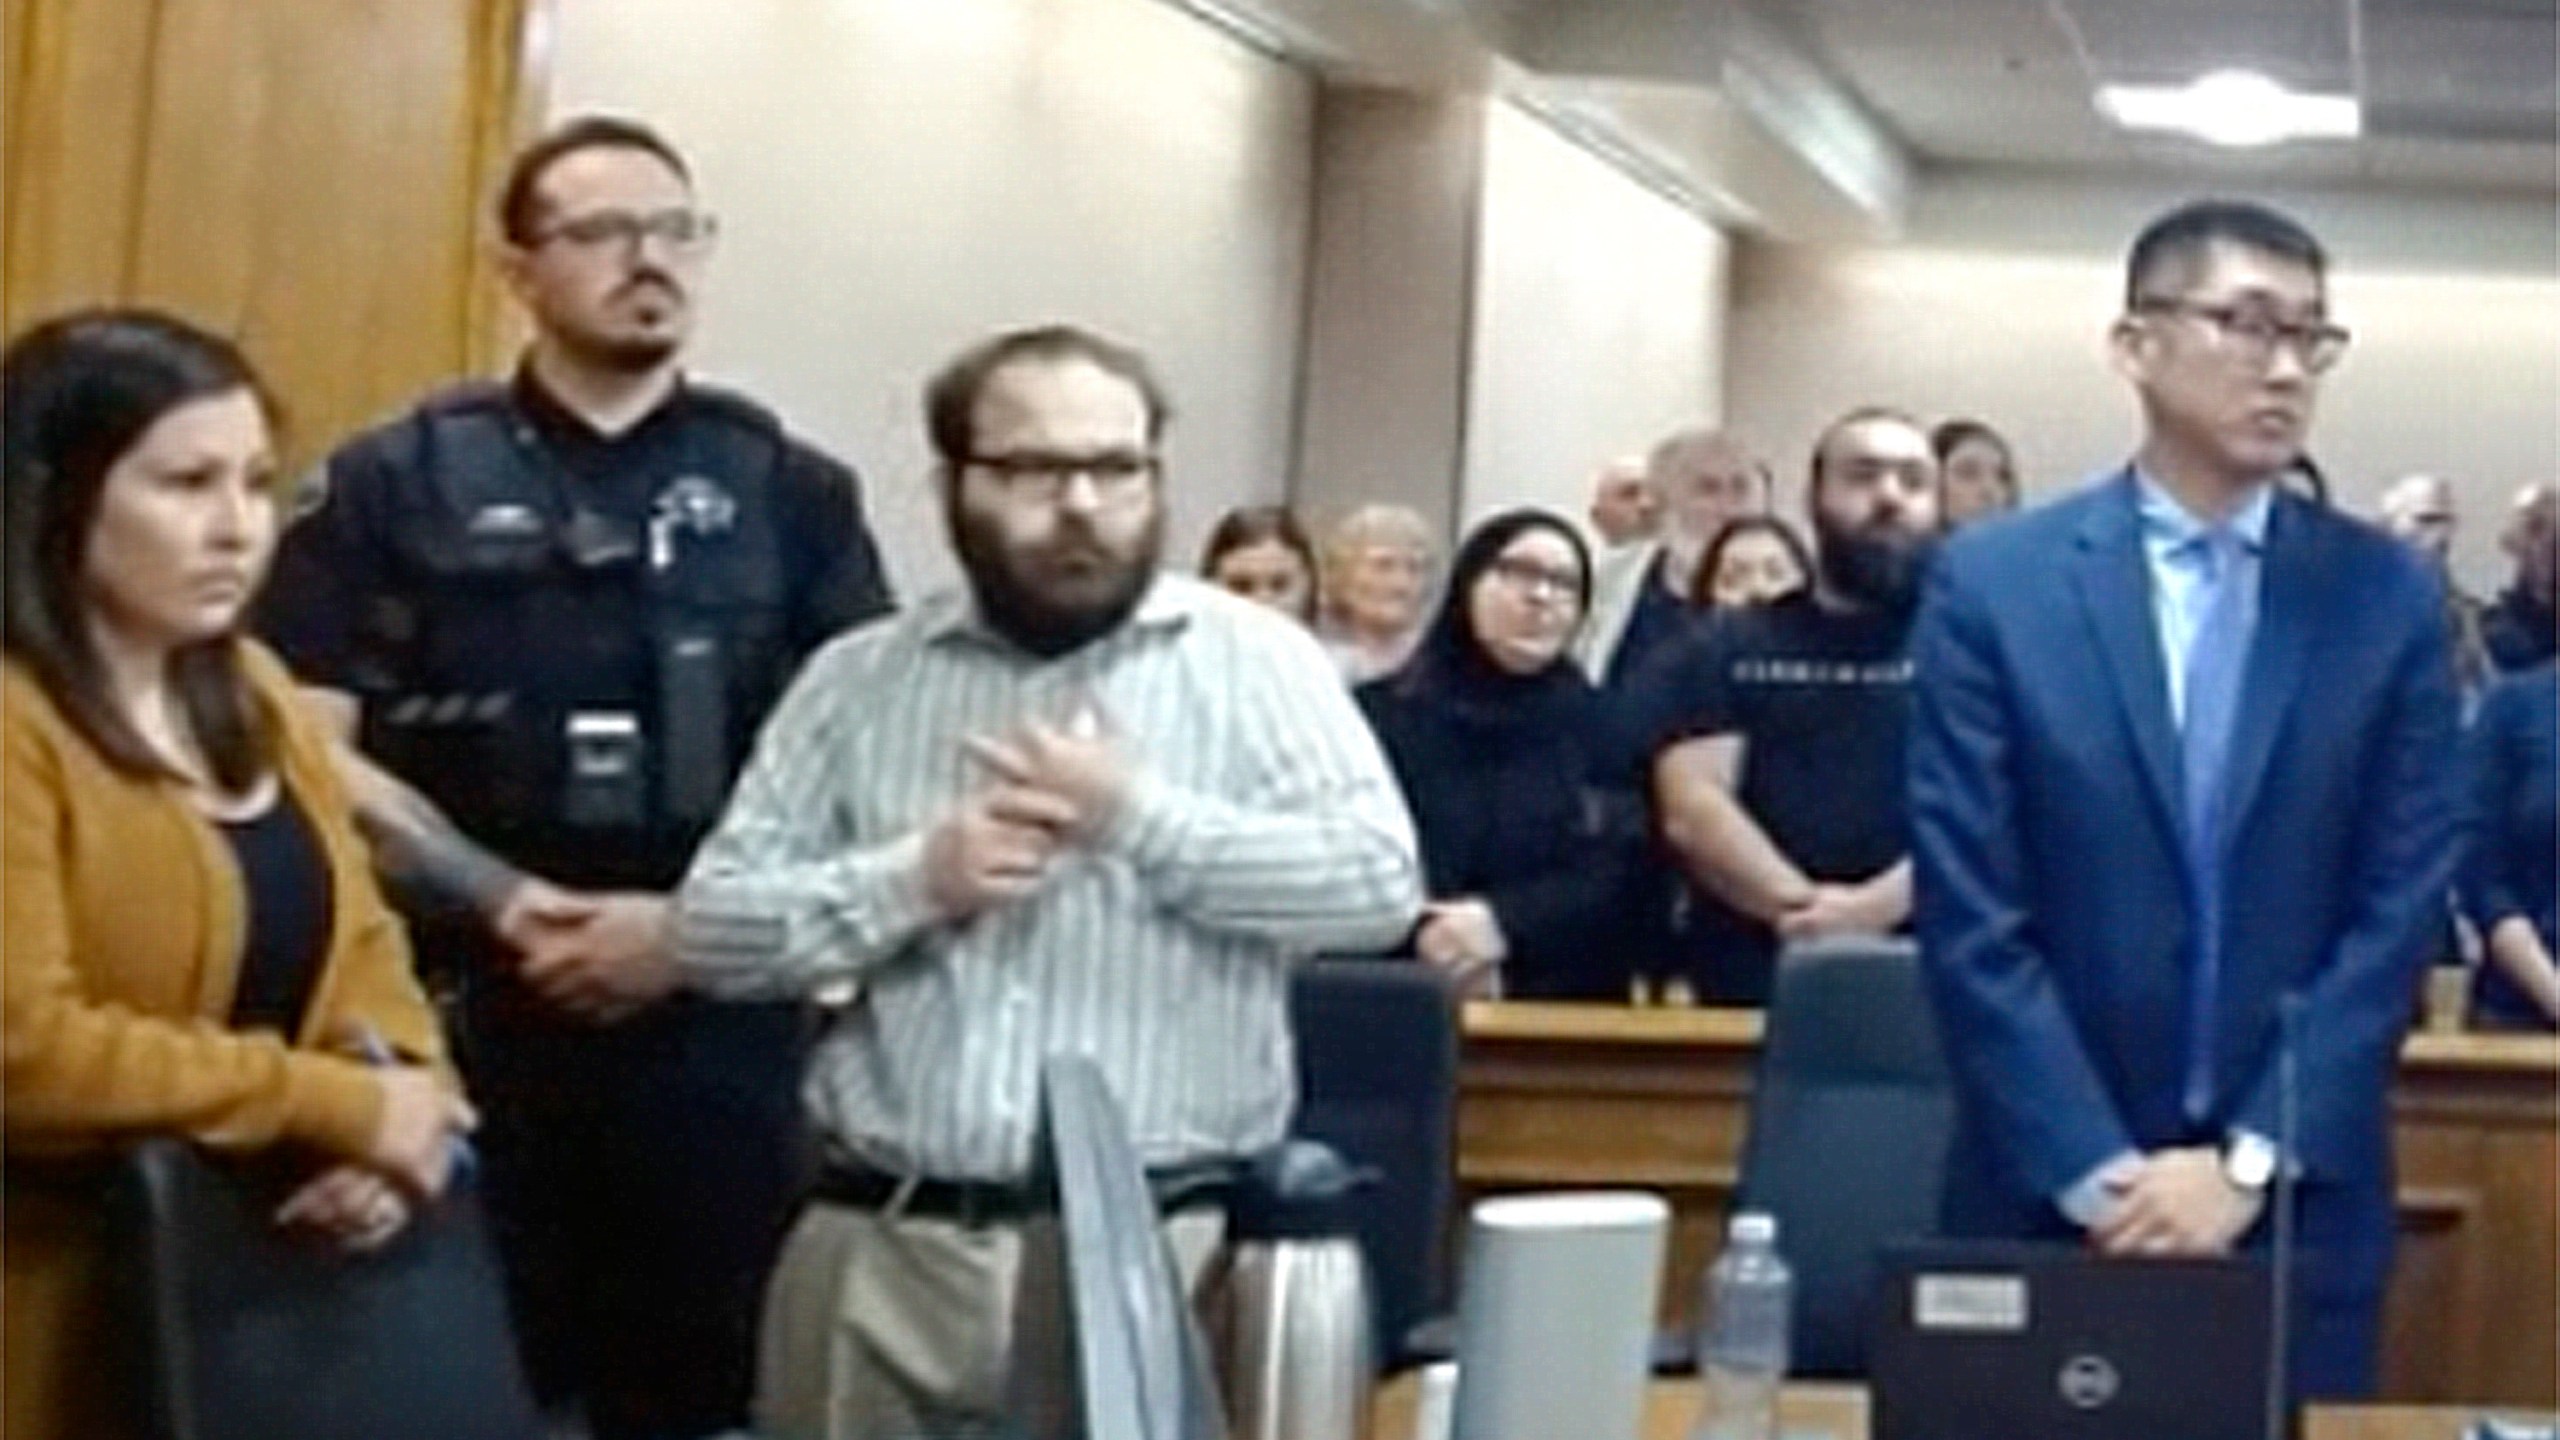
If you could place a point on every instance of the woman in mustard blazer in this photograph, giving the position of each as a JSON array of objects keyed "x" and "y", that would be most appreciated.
[{"x": 194, "y": 944}]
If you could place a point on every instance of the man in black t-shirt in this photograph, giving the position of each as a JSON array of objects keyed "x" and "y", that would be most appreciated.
[{"x": 1774, "y": 736}]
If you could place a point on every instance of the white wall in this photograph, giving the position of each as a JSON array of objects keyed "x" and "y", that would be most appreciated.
[
  {"x": 1996, "y": 305},
  {"x": 1598, "y": 324},
  {"x": 896, "y": 180}
]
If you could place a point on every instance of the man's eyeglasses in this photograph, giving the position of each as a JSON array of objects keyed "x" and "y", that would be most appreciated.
[
  {"x": 2254, "y": 334},
  {"x": 684, "y": 231},
  {"x": 1031, "y": 475},
  {"x": 1533, "y": 581}
]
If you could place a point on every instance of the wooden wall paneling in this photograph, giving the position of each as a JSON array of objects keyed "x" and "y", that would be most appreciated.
[{"x": 80, "y": 79}]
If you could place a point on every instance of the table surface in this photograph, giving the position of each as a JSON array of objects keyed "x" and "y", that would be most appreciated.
[{"x": 1839, "y": 1412}]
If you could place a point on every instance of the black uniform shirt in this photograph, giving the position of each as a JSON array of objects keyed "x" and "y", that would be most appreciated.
[{"x": 484, "y": 568}]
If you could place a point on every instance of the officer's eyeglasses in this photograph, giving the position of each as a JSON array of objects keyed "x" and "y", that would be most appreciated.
[
  {"x": 683, "y": 231},
  {"x": 2253, "y": 334},
  {"x": 1117, "y": 477}
]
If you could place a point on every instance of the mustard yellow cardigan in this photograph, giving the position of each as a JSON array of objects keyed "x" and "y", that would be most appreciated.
[{"x": 125, "y": 924}]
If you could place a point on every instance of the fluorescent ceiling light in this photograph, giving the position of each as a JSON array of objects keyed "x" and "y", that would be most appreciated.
[{"x": 2236, "y": 108}]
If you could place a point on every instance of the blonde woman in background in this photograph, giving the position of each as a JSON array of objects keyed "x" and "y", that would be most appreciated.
[{"x": 1377, "y": 574}]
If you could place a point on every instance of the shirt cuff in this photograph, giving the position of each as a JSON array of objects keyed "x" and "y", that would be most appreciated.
[{"x": 2086, "y": 1202}]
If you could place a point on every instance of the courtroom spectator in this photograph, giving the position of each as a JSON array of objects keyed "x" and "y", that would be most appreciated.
[
  {"x": 1626, "y": 508},
  {"x": 1377, "y": 575},
  {"x": 1774, "y": 736},
  {"x": 2419, "y": 510},
  {"x": 2519, "y": 625},
  {"x": 1491, "y": 730},
  {"x": 2510, "y": 852},
  {"x": 1261, "y": 553},
  {"x": 1756, "y": 560},
  {"x": 1977, "y": 473},
  {"x": 195, "y": 947},
  {"x": 1640, "y": 597}
]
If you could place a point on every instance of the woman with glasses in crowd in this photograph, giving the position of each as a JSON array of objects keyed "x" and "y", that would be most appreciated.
[
  {"x": 195, "y": 946},
  {"x": 1977, "y": 476},
  {"x": 1493, "y": 733}
]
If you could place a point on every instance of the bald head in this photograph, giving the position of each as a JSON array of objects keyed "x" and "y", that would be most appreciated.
[
  {"x": 2532, "y": 539},
  {"x": 1624, "y": 505}
]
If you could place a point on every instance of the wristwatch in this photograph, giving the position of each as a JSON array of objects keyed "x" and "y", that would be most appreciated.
[{"x": 2249, "y": 1162}]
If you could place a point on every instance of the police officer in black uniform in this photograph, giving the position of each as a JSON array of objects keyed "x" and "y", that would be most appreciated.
[{"x": 560, "y": 607}]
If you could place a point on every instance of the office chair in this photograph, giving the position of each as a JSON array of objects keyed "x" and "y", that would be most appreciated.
[
  {"x": 1850, "y": 1113},
  {"x": 1378, "y": 1082}
]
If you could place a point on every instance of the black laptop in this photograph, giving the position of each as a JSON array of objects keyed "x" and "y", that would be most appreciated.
[{"x": 1990, "y": 1341}]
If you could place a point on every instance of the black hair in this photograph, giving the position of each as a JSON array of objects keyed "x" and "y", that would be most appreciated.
[
  {"x": 520, "y": 198},
  {"x": 1451, "y": 658},
  {"x": 76, "y": 393},
  {"x": 951, "y": 397},
  {"x": 1862, "y": 415},
  {"x": 2182, "y": 237}
]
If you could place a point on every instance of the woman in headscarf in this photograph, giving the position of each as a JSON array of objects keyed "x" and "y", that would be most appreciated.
[{"x": 1493, "y": 732}]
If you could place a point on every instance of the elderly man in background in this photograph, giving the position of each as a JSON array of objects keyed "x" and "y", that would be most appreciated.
[
  {"x": 2419, "y": 510},
  {"x": 1640, "y": 598},
  {"x": 1626, "y": 509}
]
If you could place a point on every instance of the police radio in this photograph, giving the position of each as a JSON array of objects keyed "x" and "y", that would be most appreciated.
[{"x": 693, "y": 656}]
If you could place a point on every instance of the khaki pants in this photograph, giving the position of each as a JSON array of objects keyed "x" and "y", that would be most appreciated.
[{"x": 882, "y": 1327}]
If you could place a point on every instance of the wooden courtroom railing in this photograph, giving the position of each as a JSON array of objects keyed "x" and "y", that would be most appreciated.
[{"x": 1599, "y": 1095}]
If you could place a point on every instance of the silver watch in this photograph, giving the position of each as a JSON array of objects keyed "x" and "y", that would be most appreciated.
[{"x": 2249, "y": 1162}]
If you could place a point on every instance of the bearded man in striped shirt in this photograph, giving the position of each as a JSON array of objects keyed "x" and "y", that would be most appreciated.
[{"x": 1078, "y": 805}]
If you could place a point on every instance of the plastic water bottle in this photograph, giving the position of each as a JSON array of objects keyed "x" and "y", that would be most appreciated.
[{"x": 1742, "y": 1339}]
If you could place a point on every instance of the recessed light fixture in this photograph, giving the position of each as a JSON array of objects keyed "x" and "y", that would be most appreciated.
[{"x": 2236, "y": 108}]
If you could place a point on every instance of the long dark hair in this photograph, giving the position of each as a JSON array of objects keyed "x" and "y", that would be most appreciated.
[
  {"x": 1702, "y": 586},
  {"x": 80, "y": 391},
  {"x": 1264, "y": 524}
]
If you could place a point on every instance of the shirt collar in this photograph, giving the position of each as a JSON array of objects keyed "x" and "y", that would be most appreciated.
[
  {"x": 2169, "y": 526},
  {"x": 554, "y": 416},
  {"x": 952, "y": 614}
]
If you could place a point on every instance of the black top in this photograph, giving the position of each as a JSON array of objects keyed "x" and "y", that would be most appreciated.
[
  {"x": 2519, "y": 631},
  {"x": 2511, "y": 852},
  {"x": 1821, "y": 700},
  {"x": 488, "y": 569},
  {"x": 1509, "y": 808},
  {"x": 284, "y": 878},
  {"x": 1657, "y": 619}
]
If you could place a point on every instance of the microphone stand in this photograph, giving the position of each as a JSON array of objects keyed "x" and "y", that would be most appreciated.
[{"x": 2280, "y": 1263}]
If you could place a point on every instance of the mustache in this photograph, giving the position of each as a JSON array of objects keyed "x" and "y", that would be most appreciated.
[{"x": 646, "y": 278}]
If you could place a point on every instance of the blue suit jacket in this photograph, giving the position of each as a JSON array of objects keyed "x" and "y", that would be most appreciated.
[{"x": 2052, "y": 908}]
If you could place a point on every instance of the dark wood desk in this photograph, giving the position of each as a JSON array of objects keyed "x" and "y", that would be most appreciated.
[
  {"x": 1839, "y": 1412},
  {"x": 1595, "y": 1095}
]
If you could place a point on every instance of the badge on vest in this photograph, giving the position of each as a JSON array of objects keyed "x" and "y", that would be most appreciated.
[{"x": 690, "y": 505}]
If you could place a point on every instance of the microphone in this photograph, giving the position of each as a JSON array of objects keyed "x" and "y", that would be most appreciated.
[{"x": 2289, "y": 1017}]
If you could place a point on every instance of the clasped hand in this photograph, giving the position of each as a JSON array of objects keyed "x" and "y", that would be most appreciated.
[
  {"x": 601, "y": 956},
  {"x": 1051, "y": 787},
  {"x": 2174, "y": 1202}
]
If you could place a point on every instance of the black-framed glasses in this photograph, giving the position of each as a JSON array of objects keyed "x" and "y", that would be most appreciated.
[
  {"x": 2255, "y": 333},
  {"x": 1116, "y": 476},
  {"x": 685, "y": 231},
  {"x": 1534, "y": 581}
]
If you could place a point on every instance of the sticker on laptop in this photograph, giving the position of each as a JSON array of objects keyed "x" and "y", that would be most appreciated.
[{"x": 1974, "y": 1304}]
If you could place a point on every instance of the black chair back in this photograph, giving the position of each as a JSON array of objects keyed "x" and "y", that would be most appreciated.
[
  {"x": 1378, "y": 1082},
  {"x": 1848, "y": 1135}
]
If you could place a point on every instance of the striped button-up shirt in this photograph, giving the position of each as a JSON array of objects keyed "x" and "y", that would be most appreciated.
[{"x": 1262, "y": 825}]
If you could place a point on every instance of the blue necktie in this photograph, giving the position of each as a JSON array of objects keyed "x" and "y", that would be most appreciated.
[{"x": 2216, "y": 659}]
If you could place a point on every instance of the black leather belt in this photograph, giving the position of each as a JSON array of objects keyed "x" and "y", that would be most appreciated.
[{"x": 978, "y": 1204}]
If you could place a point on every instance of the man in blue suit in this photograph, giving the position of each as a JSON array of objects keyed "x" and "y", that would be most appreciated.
[{"x": 2182, "y": 788}]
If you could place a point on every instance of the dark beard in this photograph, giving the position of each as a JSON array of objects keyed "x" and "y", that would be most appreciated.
[
  {"x": 1015, "y": 607},
  {"x": 619, "y": 357},
  {"x": 1878, "y": 570}
]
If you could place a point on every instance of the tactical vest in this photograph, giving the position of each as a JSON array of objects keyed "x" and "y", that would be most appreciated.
[{"x": 575, "y": 670}]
